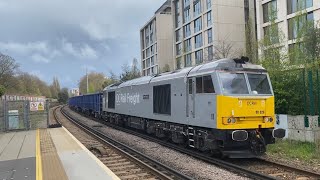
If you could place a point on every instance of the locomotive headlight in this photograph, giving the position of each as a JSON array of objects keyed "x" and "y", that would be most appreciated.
[
  {"x": 231, "y": 120},
  {"x": 268, "y": 119}
]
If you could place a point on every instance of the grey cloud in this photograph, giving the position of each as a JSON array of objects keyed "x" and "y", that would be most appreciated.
[{"x": 55, "y": 35}]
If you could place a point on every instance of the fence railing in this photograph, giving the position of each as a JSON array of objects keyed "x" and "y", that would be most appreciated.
[{"x": 23, "y": 115}]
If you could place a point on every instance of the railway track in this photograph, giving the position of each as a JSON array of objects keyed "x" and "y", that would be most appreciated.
[
  {"x": 54, "y": 122},
  {"x": 124, "y": 161},
  {"x": 256, "y": 168}
]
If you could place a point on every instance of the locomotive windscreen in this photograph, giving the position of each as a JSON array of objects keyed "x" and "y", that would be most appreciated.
[
  {"x": 236, "y": 83},
  {"x": 259, "y": 83},
  {"x": 162, "y": 99}
]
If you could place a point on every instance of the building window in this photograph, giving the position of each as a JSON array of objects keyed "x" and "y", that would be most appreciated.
[
  {"x": 294, "y": 51},
  {"x": 187, "y": 60},
  {"x": 271, "y": 34},
  {"x": 210, "y": 53},
  {"x": 151, "y": 37},
  {"x": 155, "y": 69},
  {"x": 178, "y": 20},
  {"x": 148, "y": 62},
  {"x": 179, "y": 63},
  {"x": 187, "y": 45},
  {"x": 270, "y": 11},
  {"x": 197, "y": 25},
  {"x": 198, "y": 40},
  {"x": 177, "y": 6},
  {"x": 187, "y": 30},
  {"x": 148, "y": 52},
  {"x": 209, "y": 21},
  {"x": 152, "y": 50},
  {"x": 296, "y": 24},
  {"x": 178, "y": 35},
  {"x": 208, "y": 4},
  {"x": 298, "y": 5},
  {"x": 186, "y": 3},
  {"x": 152, "y": 60},
  {"x": 209, "y": 35},
  {"x": 179, "y": 48},
  {"x": 147, "y": 41},
  {"x": 197, "y": 8},
  {"x": 186, "y": 13},
  {"x": 199, "y": 56}
]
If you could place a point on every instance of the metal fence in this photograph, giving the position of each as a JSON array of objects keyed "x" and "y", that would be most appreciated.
[{"x": 22, "y": 115}]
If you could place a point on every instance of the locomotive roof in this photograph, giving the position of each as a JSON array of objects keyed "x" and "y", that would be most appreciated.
[{"x": 223, "y": 64}]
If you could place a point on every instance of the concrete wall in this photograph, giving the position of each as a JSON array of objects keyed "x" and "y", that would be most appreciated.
[{"x": 296, "y": 129}]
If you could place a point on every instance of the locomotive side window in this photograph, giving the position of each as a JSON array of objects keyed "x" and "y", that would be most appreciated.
[
  {"x": 199, "y": 86},
  {"x": 204, "y": 84},
  {"x": 111, "y": 100},
  {"x": 162, "y": 99},
  {"x": 208, "y": 85},
  {"x": 190, "y": 86}
]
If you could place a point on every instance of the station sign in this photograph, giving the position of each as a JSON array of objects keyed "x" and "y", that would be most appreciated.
[{"x": 36, "y": 106}]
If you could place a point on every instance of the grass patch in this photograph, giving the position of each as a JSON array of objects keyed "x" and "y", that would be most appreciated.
[{"x": 291, "y": 149}]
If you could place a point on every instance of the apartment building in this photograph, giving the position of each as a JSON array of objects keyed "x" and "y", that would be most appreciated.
[
  {"x": 156, "y": 40},
  {"x": 203, "y": 28},
  {"x": 283, "y": 14}
]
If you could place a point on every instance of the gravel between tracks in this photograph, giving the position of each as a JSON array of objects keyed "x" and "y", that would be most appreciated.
[{"x": 181, "y": 162}]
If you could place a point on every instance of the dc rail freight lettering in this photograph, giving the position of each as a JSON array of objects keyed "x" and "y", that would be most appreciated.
[{"x": 224, "y": 107}]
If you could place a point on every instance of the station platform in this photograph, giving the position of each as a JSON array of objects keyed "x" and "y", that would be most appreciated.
[{"x": 48, "y": 154}]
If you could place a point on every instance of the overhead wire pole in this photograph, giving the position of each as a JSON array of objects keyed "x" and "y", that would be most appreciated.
[{"x": 87, "y": 80}]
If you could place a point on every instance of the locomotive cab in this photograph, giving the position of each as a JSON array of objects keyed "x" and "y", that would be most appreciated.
[
  {"x": 245, "y": 110},
  {"x": 237, "y": 97}
]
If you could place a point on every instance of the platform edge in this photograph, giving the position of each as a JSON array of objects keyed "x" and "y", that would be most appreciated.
[{"x": 104, "y": 167}]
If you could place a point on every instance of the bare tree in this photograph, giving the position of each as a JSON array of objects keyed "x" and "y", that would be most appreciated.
[
  {"x": 223, "y": 49},
  {"x": 8, "y": 68}
]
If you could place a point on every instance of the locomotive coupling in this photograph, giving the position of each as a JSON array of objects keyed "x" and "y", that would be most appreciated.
[{"x": 279, "y": 133}]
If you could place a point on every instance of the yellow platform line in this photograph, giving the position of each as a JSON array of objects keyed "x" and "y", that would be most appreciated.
[{"x": 38, "y": 157}]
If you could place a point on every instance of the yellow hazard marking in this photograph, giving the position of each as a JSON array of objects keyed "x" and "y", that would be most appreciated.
[
  {"x": 38, "y": 157},
  {"x": 40, "y": 106}
]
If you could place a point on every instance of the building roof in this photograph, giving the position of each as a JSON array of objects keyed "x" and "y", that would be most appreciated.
[{"x": 164, "y": 7}]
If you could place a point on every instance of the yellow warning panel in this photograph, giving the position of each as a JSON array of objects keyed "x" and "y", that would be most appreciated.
[{"x": 40, "y": 106}]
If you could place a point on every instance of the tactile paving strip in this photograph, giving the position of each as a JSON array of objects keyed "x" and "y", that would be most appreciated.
[{"x": 52, "y": 167}]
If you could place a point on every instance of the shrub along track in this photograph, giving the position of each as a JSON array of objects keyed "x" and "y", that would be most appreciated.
[
  {"x": 124, "y": 161},
  {"x": 257, "y": 168}
]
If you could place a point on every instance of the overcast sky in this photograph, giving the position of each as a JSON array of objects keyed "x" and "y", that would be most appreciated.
[{"x": 62, "y": 37}]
